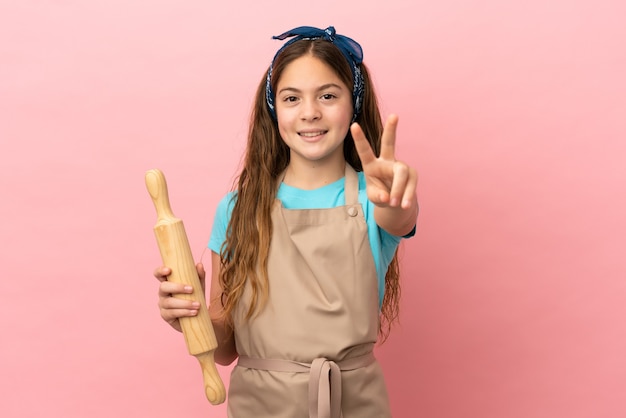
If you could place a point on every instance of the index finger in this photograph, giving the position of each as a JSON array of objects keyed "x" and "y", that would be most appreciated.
[
  {"x": 363, "y": 148},
  {"x": 162, "y": 272},
  {"x": 167, "y": 289}
]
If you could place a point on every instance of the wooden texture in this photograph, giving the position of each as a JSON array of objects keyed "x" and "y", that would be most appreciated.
[{"x": 176, "y": 254}]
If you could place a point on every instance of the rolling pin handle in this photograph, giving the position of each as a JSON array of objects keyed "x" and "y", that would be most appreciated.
[
  {"x": 157, "y": 188},
  {"x": 213, "y": 386}
]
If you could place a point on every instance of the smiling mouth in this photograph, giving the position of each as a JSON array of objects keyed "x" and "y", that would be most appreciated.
[{"x": 311, "y": 134}]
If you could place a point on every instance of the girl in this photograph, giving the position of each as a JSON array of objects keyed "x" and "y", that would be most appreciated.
[{"x": 304, "y": 267}]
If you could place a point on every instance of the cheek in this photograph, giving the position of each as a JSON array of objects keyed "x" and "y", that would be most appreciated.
[
  {"x": 284, "y": 115},
  {"x": 282, "y": 124},
  {"x": 286, "y": 118},
  {"x": 282, "y": 133},
  {"x": 345, "y": 112},
  {"x": 345, "y": 116}
]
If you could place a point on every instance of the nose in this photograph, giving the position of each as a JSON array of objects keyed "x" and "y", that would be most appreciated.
[{"x": 310, "y": 110}]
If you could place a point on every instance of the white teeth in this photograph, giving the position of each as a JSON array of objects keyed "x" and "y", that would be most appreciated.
[{"x": 311, "y": 134}]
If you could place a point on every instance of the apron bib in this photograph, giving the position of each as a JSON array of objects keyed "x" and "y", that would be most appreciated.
[{"x": 308, "y": 353}]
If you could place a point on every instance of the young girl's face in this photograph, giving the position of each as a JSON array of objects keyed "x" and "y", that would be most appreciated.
[{"x": 314, "y": 110}]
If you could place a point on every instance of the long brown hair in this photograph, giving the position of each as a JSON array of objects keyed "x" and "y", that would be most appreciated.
[{"x": 245, "y": 252}]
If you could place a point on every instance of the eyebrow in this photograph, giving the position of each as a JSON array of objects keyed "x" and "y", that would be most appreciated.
[{"x": 320, "y": 88}]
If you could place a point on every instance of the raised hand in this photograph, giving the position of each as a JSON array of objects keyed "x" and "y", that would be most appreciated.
[{"x": 390, "y": 183}]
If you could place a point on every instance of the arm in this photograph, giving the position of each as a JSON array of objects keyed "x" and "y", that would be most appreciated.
[{"x": 226, "y": 351}]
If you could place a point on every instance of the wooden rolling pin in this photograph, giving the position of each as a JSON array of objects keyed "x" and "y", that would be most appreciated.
[{"x": 176, "y": 254}]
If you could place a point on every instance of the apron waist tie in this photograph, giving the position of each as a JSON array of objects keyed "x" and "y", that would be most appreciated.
[{"x": 324, "y": 379}]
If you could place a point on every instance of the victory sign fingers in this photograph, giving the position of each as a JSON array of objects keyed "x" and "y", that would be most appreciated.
[{"x": 389, "y": 182}]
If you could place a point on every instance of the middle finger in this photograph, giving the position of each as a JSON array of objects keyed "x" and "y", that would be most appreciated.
[
  {"x": 400, "y": 178},
  {"x": 388, "y": 139}
]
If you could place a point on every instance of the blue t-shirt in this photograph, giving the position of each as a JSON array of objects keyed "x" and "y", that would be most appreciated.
[{"x": 382, "y": 243}]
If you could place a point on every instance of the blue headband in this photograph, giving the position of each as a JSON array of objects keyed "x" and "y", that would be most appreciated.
[{"x": 350, "y": 49}]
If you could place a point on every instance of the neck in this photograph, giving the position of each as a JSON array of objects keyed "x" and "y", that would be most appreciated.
[{"x": 313, "y": 175}]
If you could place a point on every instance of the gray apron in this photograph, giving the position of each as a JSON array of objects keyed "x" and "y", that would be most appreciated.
[{"x": 308, "y": 353}]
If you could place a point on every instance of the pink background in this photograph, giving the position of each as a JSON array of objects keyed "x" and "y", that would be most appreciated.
[{"x": 514, "y": 113}]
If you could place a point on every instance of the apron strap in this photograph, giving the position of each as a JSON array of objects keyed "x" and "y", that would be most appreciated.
[
  {"x": 351, "y": 186},
  {"x": 324, "y": 379}
]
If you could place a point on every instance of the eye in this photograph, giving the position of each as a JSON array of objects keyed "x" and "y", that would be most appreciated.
[
  {"x": 290, "y": 99},
  {"x": 328, "y": 96}
]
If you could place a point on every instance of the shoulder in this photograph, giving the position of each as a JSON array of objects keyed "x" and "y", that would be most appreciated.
[
  {"x": 226, "y": 204},
  {"x": 220, "y": 221}
]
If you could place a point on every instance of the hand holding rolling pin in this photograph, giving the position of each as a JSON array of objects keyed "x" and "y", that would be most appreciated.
[{"x": 187, "y": 284}]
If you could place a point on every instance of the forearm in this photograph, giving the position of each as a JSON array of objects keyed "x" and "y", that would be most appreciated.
[{"x": 226, "y": 351}]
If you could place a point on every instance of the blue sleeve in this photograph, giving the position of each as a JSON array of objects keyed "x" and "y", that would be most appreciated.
[
  {"x": 389, "y": 244},
  {"x": 412, "y": 233},
  {"x": 220, "y": 222}
]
